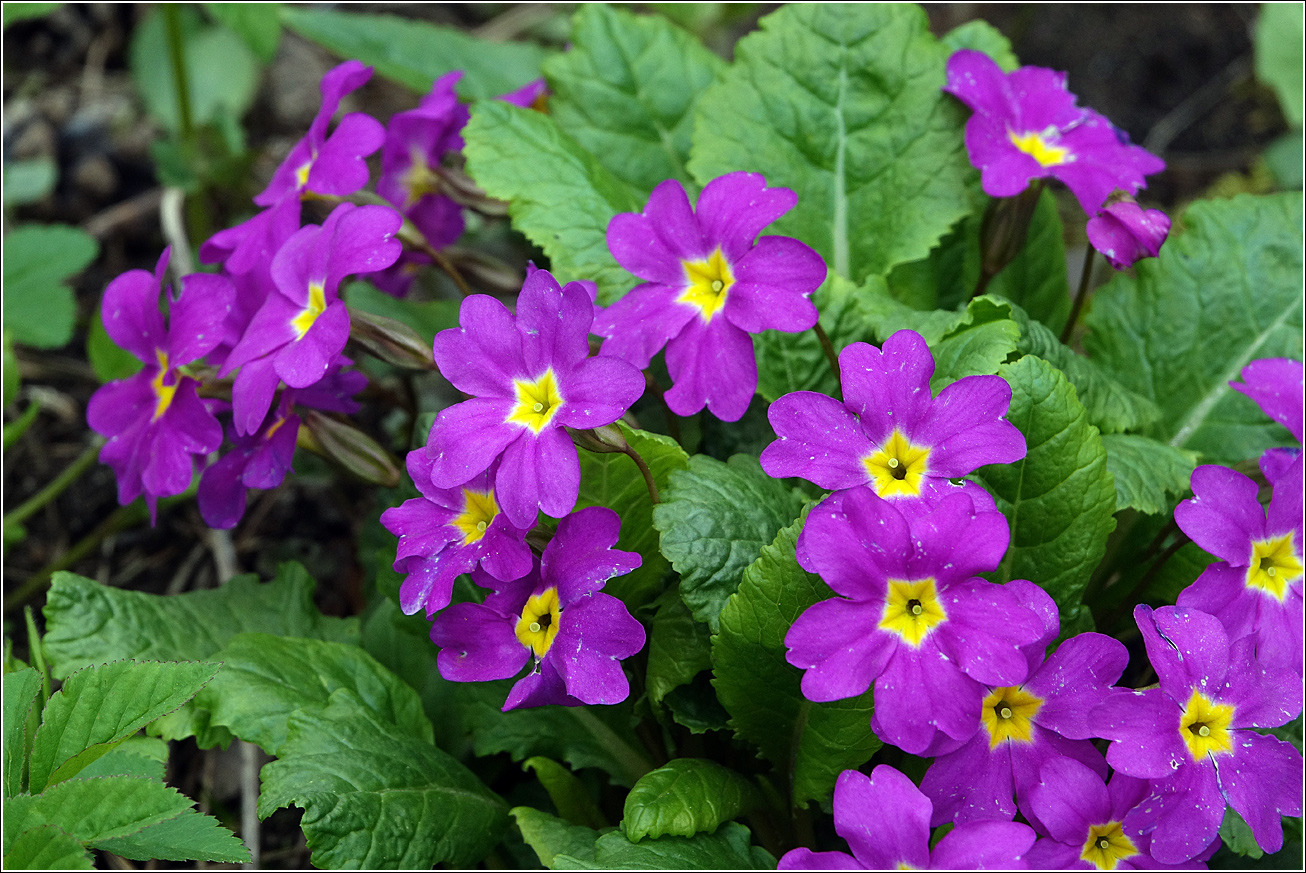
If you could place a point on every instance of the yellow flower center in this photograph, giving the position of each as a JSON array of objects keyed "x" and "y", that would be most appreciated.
[
  {"x": 1107, "y": 845},
  {"x": 897, "y": 467},
  {"x": 316, "y": 306},
  {"x": 538, "y": 624},
  {"x": 1037, "y": 147},
  {"x": 912, "y": 610},
  {"x": 163, "y": 393},
  {"x": 709, "y": 283},
  {"x": 301, "y": 174},
  {"x": 537, "y": 401},
  {"x": 479, "y": 509},
  {"x": 419, "y": 179},
  {"x": 1204, "y": 727},
  {"x": 1008, "y": 715},
  {"x": 1275, "y": 566}
]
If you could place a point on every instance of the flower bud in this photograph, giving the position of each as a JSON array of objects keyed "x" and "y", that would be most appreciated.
[
  {"x": 601, "y": 440},
  {"x": 350, "y": 447},
  {"x": 390, "y": 340}
]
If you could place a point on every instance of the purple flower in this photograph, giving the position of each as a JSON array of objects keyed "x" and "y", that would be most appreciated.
[
  {"x": 886, "y": 821},
  {"x": 532, "y": 95},
  {"x": 251, "y": 244},
  {"x": 530, "y": 375},
  {"x": 300, "y": 331},
  {"x": 1257, "y": 588},
  {"x": 155, "y": 420},
  {"x": 910, "y": 616},
  {"x": 1126, "y": 232},
  {"x": 1026, "y": 126},
  {"x": 555, "y": 617},
  {"x": 1085, "y": 821},
  {"x": 889, "y": 432},
  {"x": 448, "y": 531},
  {"x": 1193, "y": 736},
  {"x": 707, "y": 286},
  {"x": 1022, "y": 726},
  {"x": 1276, "y": 384},
  {"x": 414, "y": 143}
]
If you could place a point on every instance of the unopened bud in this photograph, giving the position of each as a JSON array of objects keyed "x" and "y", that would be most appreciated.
[
  {"x": 459, "y": 187},
  {"x": 350, "y": 447},
  {"x": 601, "y": 440},
  {"x": 484, "y": 271},
  {"x": 390, "y": 340}
]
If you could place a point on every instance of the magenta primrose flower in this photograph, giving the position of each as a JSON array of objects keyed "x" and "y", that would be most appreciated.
[
  {"x": 530, "y": 375},
  {"x": 910, "y": 616},
  {"x": 708, "y": 285},
  {"x": 1257, "y": 588},
  {"x": 1085, "y": 821},
  {"x": 300, "y": 330},
  {"x": 1276, "y": 384},
  {"x": 449, "y": 531},
  {"x": 554, "y": 618},
  {"x": 1041, "y": 718},
  {"x": 1026, "y": 126},
  {"x": 155, "y": 420},
  {"x": 886, "y": 821},
  {"x": 1193, "y": 736},
  {"x": 890, "y": 433},
  {"x": 1125, "y": 232}
]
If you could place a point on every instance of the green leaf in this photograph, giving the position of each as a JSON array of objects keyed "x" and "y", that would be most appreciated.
[
  {"x": 685, "y": 797},
  {"x": 613, "y": 480},
  {"x": 102, "y": 705},
  {"x": 1237, "y": 836},
  {"x": 267, "y": 678},
  {"x": 1223, "y": 293},
  {"x": 583, "y": 736},
  {"x": 714, "y": 520},
  {"x": 90, "y": 623},
  {"x": 258, "y": 24},
  {"x": 1284, "y": 158},
  {"x": 108, "y": 360},
  {"x": 39, "y": 309},
  {"x": 626, "y": 90},
  {"x": 842, "y": 104},
  {"x": 550, "y": 836},
  {"x": 679, "y": 647},
  {"x": 20, "y": 690},
  {"x": 1036, "y": 278},
  {"x": 1060, "y": 499},
  {"x": 146, "y": 757},
  {"x": 416, "y": 53},
  {"x": 191, "y": 836},
  {"x": 810, "y": 743},
  {"x": 788, "y": 362},
  {"x": 1278, "y": 50},
  {"x": 375, "y": 795},
  {"x": 567, "y": 792},
  {"x": 982, "y": 37},
  {"x": 1147, "y": 472},
  {"x": 106, "y": 808},
  {"x": 45, "y": 847},
  {"x": 29, "y": 180},
  {"x": 696, "y": 706},
  {"x": 730, "y": 848},
  {"x": 1111, "y": 407},
  {"x": 561, "y": 196},
  {"x": 23, "y": 11},
  {"x": 948, "y": 276}
]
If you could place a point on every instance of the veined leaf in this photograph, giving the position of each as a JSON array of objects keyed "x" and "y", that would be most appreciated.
[
  {"x": 679, "y": 647},
  {"x": 38, "y": 308},
  {"x": 982, "y": 37},
  {"x": 730, "y": 848},
  {"x": 1147, "y": 473},
  {"x": 191, "y": 836},
  {"x": 146, "y": 757},
  {"x": 44, "y": 847},
  {"x": 567, "y": 792},
  {"x": 685, "y": 797},
  {"x": 1036, "y": 278},
  {"x": 100, "y": 809},
  {"x": 20, "y": 690},
  {"x": 550, "y": 836}
]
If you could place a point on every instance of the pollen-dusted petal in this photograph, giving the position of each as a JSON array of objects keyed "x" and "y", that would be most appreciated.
[
  {"x": 955, "y": 542},
  {"x": 635, "y": 244},
  {"x": 1145, "y": 728},
  {"x": 555, "y": 320},
  {"x": 855, "y": 541},
  {"x": 1103, "y": 162},
  {"x": 888, "y": 388},
  {"x": 712, "y": 364},
  {"x": 581, "y": 554},
  {"x": 467, "y": 437},
  {"x": 130, "y": 311},
  {"x": 1276, "y": 386},
  {"x": 1074, "y": 679},
  {"x": 837, "y": 644},
  {"x": 966, "y": 428},
  {"x": 597, "y": 633},
  {"x": 484, "y": 354},
  {"x": 733, "y": 209},
  {"x": 884, "y": 818},
  {"x": 221, "y": 494},
  {"x": 971, "y": 784},
  {"x": 599, "y": 391},
  {"x": 252, "y": 393},
  {"x": 773, "y": 286},
  {"x": 116, "y": 406},
  {"x": 543, "y": 686},
  {"x": 340, "y": 167},
  {"x": 820, "y": 440},
  {"x": 196, "y": 317},
  {"x": 305, "y": 361},
  {"x": 1263, "y": 781},
  {"x": 1069, "y": 798},
  {"x": 1284, "y": 514},
  {"x": 1224, "y": 515},
  {"x": 476, "y": 644},
  {"x": 921, "y": 691},
  {"x": 1186, "y": 811},
  {"x": 1125, "y": 232},
  {"x": 806, "y": 859},
  {"x": 987, "y": 625},
  {"x": 189, "y": 423},
  {"x": 639, "y": 324},
  {"x": 995, "y": 845},
  {"x": 1005, "y": 170},
  {"x": 538, "y": 472},
  {"x": 1188, "y": 648}
]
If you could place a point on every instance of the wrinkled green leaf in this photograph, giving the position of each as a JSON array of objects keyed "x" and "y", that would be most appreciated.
[
  {"x": 567, "y": 792},
  {"x": 29, "y": 180},
  {"x": 686, "y": 797},
  {"x": 374, "y": 794},
  {"x": 1226, "y": 291},
  {"x": 101, "y": 809},
  {"x": 38, "y": 308},
  {"x": 1036, "y": 278},
  {"x": 810, "y": 743},
  {"x": 20, "y": 690},
  {"x": 258, "y": 24},
  {"x": 100, "y": 706},
  {"x": 1147, "y": 473},
  {"x": 789, "y": 362},
  {"x": 191, "y": 836},
  {"x": 626, "y": 90},
  {"x": 561, "y": 196},
  {"x": 1060, "y": 499},
  {"x": 714, "y": 520},
  {"x": 266, "y": 678},
  {"x": 947, "y": 276},
  {"x": 613, "y": 480},
  {"x": 696, "y": 706},
  {"x": 416, "y": 53},
  {"x": 1278, "y": 52},
  {"x": 45, "y": 847},
  {"x": 982, "y": 37},
  {"x": 729, "y": 848},
  {"x": 679, "y": 647},
  {"x": 550, "y": 836},
  {"x": 841, "y": 104}
]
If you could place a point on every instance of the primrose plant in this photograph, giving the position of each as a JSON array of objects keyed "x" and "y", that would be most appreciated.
[{"x": 793, "y": 485}]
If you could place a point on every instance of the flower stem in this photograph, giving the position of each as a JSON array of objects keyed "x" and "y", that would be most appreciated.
[
  {"x": 180, "y": 79},
  {"x": 830, "y": 356},
  {"x": 1085, "y": 277},
  {"x": 57, "y": 486},
  {"x": 645, "y": 471}
]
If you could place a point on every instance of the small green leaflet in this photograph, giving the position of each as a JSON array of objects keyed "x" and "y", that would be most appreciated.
[
  {"x": 550, "y": 836},
  {"x": 686, "y": 797},
  {"x": 20, "y": 690},
  {"x": 38, "y": 308},
  {"x": 567, "y": 792},
  {"x": 730, "y": 848}
]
